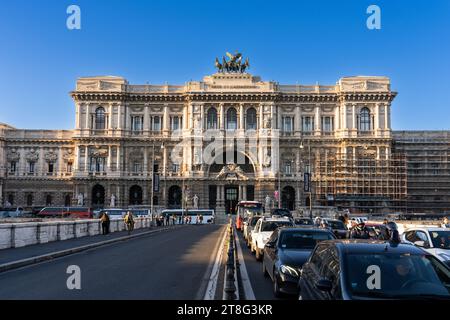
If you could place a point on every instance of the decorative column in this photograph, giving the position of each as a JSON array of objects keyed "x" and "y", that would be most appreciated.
[
  {"x": 318, "y": 120},
  {"x": 202, "y": 118},
  {"x": 298, "y": 118},
  {"x": 88, "y": 115},
  {"x": 244, "y": 193},
  {"x": 86, "y": 157},
  {"x": 261, "y": 116},
  {"x": 146, "y": 122},
  {"x": 166, "y": 122},
  {"x": 386, "y": 116},
  {"x": 337, "y": 121},
  {"x": 60, "y": 162},
  {"x": 118, "y": 159},
  {"x": 221, "y": 116},
  {"x": 119, "y": 117},
  {"x": 110, "y": 116},
  {"x": 377, "y": 117},
  {"x": 145, "y": 171},
  {"x": 241, "y": 116},
  {"x": 108, "y": 162},
  {"x": 344, "y": 116},
  {"x": 354, "y": 116}
]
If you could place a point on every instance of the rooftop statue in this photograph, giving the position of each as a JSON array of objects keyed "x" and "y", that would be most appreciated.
[{"x": 234, "y": 64}]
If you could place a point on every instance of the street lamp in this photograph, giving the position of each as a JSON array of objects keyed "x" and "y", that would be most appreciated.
[{"x": 309, "y": 176}]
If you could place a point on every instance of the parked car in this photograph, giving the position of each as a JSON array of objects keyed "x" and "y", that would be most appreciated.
[
  {"x": 248, "y": 227},
  {"x": 281, "y": 212},
  {"x": 434, "y": 240},
  {"x": 377, "y": 231},
  {"x": 338, "y": 227},
  {"x": 11, "y": 212},
  {"x": 303, "y": 222},
  {"x": 372, "y": 269},
  {"x": 286, "y": 252},
  {"x": 263, "y": 230},
  {"x": 66, "y": 212}
]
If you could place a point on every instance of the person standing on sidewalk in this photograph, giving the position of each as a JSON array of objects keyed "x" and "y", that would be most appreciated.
[
  {"x": 129, "y": 221},
  {"x": 104, "y": 218}
]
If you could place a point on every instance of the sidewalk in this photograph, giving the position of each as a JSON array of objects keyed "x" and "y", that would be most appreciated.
[{"x": 16, "y": 254}]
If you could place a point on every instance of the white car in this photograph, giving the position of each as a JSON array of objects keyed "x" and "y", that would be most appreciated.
[
  {"x": 432, "y": 239},
  {"x": 262, "y": 232}
]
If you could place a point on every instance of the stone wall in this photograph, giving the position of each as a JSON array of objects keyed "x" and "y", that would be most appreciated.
[{"x": 14, "y": 235}]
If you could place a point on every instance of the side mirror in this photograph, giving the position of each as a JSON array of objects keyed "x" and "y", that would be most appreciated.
[
  {"x": 421, "y": 243},
  {"x": 324, "y": 285}
]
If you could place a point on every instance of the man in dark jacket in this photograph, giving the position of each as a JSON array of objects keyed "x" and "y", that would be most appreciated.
[{"x": 360, "y": 231}]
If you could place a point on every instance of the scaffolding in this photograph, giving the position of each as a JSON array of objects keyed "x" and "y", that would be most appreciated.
[{"x": 361, "y": 183}]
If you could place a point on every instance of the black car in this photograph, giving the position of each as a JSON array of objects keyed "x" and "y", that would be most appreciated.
[
  {"x": 303, "y": 222},
  {"x": 282, "y": 212},
  {"x": 286, "y": 251},
  {"x": 338, "y": 228},
  {"x": 372, "y": 269}
]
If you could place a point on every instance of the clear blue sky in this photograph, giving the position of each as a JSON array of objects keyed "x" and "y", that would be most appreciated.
[{"x": 176, "y": 41}]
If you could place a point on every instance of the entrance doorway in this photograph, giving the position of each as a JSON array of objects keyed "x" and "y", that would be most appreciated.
[
  {"x": 231, "y": 199},
  {"x": 98, "y": 196}
]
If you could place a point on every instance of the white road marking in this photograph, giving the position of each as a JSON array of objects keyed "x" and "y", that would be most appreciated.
[
  {"x": 248, "y": 290},
  {"x": 212, "y": 283}
]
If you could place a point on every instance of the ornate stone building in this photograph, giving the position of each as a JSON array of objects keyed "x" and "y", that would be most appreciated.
[{"x": 226, "y": 138}]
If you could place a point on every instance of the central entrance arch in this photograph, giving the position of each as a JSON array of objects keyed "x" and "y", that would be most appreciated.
[
  {"x": 231, "y": 199},
  {"x": 135, "y": 195},
  {"x": 98, "y": 196}
]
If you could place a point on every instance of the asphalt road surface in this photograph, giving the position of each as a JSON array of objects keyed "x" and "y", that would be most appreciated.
[
  {"x": 172, "y": 264},
  {"x": 262, "y": 286}
]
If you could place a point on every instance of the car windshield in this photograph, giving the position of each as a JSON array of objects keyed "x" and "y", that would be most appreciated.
[
  {"x": 396, "y": 276},
  {"x": 272, "y": 225},
  {"x": 440, "y": 239},
  {"x": 304, "y": 222},
  {"x": 302, "y": 239},
  {"x": 253, "y": 221},
  {"x": 336, "y": 224}
]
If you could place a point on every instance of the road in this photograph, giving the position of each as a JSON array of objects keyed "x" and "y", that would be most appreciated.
[
  {"x": 173, "y": 264},
  {"x": 262, "y": 286}
]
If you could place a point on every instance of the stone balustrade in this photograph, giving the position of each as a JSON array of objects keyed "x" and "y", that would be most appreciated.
[{"x": 14, "y": 235}]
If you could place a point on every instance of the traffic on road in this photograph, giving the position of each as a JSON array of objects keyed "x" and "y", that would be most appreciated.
[{"x": 343, "y": 258}]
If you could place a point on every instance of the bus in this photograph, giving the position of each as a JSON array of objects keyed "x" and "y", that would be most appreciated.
[
  {"x": 116, "y": 214},
  {"x": 208, "y": 214},
  {"x": 247, "y": 209},
  {"x": 66, "y": 212}
]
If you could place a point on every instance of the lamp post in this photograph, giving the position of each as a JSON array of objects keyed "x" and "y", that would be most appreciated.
[{"x": 309, "y": 176}]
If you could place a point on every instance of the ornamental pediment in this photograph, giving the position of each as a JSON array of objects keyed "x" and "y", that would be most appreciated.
[{"x": 231, "y": 172}]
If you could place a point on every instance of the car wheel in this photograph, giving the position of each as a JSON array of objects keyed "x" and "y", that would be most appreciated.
[
  {"x": 265, "y": 273},
  {"x": 276, "y": 286}
]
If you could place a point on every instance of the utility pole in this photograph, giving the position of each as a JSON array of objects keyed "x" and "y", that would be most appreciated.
[{"x": 153, "y": 178}]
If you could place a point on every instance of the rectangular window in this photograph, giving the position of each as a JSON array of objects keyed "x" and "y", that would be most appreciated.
[
  {"x": 31, "y": 166},
  {"x": 69, "y": 167},
  {"x": 288, "y": 167},
  {"x": 308, "y": 124},
  {"x": 137, "y": 123},
  {"x": 156, "y": 123},
  {"x": 50, "y": 167},
  {"x": 137, "y": 167},
  {"x": 175, "y": 123},
  {"x": 175, "y": 167},
  {"x": 327, "y": 124},
  {"x": 13, "y": 167},
  {"x": 288, "y": 124}
]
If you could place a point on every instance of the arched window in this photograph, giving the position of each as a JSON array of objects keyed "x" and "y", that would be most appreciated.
[
  {"x": 211, "y": 119},
  {"x": 364, "y": 119},
  {"x": 251, "y": 119},
  {"x": 48, "y": 200},
  {"x": 100, "y": 118},
  {"x": 29, "y": 200},
  {"x": 231, "y": 119}
]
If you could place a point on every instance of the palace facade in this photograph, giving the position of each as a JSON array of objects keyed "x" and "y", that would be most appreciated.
[{"x": 227, "y": 138}]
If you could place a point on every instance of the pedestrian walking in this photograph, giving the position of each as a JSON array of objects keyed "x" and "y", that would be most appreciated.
[
  {"x": 104, "y": 218},
  {"x": 129, "y": 221},
  {"x": 201, "y": 219}
]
